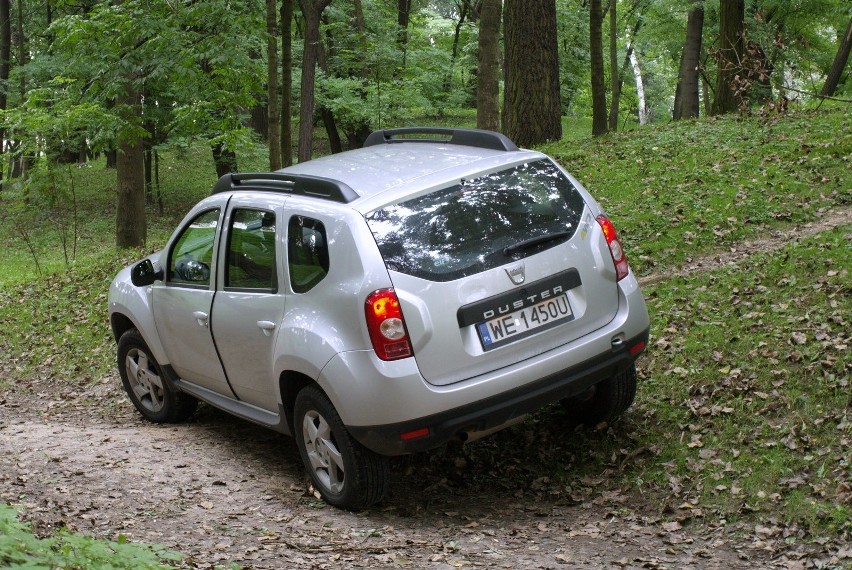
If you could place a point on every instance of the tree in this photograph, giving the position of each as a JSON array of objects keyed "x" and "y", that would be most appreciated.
[
  {"x": 312, "y": 11},
  {"x": 615, "y": 79},
  {"x": 273, "y": 110},
  {"x": 618, "y": 73},
  {"x": 403, "y": 17},
  {"x": 729, "y": 91},
  {"x": 286, "y": 82},
  {"x": 5, "y": 57},
  {"x": 488, "y": 76},
  {"x": 599, "y": 115},
  {"x": 839, "y": 63},
  {"x": 532, "y": 110},
  {"x": 686, "y": 97},
  {"x": 130, "y": 225}
]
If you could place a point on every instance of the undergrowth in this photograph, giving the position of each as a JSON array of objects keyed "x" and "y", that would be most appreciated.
[{"x": 21, "y": 548}]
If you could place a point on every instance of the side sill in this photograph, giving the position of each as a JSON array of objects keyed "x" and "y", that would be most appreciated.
[{"x": 277, "y": 422}]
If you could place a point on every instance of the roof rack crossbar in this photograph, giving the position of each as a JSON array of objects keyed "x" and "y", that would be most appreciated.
[
  {"x": 298, "y": 184},
  {"x": 466, "y": 137}
]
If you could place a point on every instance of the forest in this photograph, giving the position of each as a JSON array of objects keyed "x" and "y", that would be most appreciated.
[
  {"x": 716, "y": 133},
  {"x": 129, "y": 80}
]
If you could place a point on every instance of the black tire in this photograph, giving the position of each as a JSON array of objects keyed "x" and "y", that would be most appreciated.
[
  {"x": 346, "y": 474},
  {"x": 605, "y": 401},
  {"x": 148, "y": 384}
]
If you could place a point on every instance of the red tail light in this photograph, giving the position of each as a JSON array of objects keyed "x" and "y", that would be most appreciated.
[
  {"x": 615, "y": 249},
  {"x": 387, "y": 326}
]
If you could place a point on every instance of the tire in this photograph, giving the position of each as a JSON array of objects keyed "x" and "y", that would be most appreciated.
[
  {"x": 148, "y": 384},
  {"x": 606, "y": 401},
  {"x": 346, "y": 474}
]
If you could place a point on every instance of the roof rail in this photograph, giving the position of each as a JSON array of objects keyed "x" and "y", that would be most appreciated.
[
  {"x": 299, "y": 184},
  {"x": 466, "y": 137}
]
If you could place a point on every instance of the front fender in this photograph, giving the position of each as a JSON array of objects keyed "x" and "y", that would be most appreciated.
[{"x": 130, "y": 306}]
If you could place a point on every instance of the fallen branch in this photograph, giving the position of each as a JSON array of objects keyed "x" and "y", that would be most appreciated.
[{"x": 818, "y": 96}]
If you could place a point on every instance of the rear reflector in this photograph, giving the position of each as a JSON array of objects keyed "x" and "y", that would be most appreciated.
[
  {"x": 414, "y": 434},
  {"x": 637, "y": 348}
]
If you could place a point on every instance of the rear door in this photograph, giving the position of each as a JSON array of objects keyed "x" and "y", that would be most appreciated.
[
  {"x": 247, "y": 312},
  {"x": 496, "y": 270}
]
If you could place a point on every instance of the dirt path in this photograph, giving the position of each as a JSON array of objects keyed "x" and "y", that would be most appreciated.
[
  {"x": 830, "y": 219},
  {"x": 223, "y": 491}
]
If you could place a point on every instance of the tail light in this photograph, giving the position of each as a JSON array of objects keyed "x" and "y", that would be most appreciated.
[
  {"x": 615, "y": 248},
  {"x": 387, "y": 326}
]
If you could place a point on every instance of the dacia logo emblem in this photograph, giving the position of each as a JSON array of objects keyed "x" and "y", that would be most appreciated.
[{"x": 516, "y": 274}]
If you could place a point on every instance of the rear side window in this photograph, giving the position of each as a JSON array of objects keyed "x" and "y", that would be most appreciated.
[
  {"x": 480, "y": 223},
  {"x": 307, "y": 253}
]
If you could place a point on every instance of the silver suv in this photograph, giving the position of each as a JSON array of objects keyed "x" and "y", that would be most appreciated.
[{"x": 436, "y": 284}]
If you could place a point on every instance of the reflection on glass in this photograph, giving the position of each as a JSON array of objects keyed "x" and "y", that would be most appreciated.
[
  {"x": 480, "y": 223},
  {"x": 192, "y": 255},
  {"x": 251, "y": 250}
]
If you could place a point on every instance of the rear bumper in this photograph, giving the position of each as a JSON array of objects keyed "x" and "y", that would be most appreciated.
[{"x": 495, "y": 411}]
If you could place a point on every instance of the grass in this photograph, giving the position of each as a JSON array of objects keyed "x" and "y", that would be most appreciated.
[
  {"x": 743, "y": 416},
  {"x": 691, "y": 188},
  {"x": 20, "y": 548}
]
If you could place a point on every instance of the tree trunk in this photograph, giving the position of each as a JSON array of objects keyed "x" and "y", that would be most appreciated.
[
  {"x": 22, "y": 48},
  {"x": 273, "y": 110},
  {"x": 403, "y": 16},
  {"x": 839, "y": 64},
  {"x": 286, "y": 82},
  {"x": 131, "y": 227},
  {"x": 731, "y": 48},
  {"x": 532, "y": 112},
  {"x": 358, "y": 132},
  {"x": 225, "y": 160},
  {"x": 686, "y": 99},
  {"x": 488, "y": 76},
  {"x": 312, "y": 11},
  {"x": 640, "y": 89},
  {"x": 5, "y": 64},
  {"x": 448, "y": 78},
  {"x": 599, "y": 116},
  {"x": 615, "y": 80}
]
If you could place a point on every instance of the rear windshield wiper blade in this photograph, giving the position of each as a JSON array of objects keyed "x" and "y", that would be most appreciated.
[{"x": 532, "y": 242}]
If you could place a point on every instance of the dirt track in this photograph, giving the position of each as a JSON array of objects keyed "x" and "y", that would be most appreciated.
[{"x": 223, "y": 491}]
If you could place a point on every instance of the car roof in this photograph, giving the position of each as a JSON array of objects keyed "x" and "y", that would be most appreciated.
[
  {"x": 389, "y": 168},
  {"x": 379, "y": 169}
]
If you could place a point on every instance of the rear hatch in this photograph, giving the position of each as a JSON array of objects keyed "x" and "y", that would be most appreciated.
[{"x": 495, "y": 270}]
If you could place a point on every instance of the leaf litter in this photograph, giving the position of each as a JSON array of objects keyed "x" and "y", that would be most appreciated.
[{"x": 221, "y": 491}]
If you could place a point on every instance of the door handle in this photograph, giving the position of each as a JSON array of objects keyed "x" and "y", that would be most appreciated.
[
  {"x": 202, "y": 318},
  {"x": 266, "y": 326}
]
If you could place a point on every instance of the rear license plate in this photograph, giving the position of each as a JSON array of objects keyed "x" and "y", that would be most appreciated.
[{"x": 523, "y": 322}]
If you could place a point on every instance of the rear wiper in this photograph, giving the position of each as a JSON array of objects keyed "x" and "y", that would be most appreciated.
[{"x": 532, "y": 242}]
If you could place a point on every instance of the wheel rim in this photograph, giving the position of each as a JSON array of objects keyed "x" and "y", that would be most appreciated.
[
  {"x": 324, "y": 456},
  {"x": 146, "y": 383}
]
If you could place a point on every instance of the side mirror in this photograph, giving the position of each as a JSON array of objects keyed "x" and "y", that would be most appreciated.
[
  {"x": 193, "y": 270},
  {"x": 143, "y": 273}
]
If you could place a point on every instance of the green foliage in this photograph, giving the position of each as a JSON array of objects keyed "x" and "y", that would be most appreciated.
[
  {"x": 20, "y": 548},
  {"x": 711, "y": 184},
  {"x": 742, "y": 416}
]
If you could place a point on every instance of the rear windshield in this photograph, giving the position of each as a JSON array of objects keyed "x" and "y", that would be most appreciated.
[{"x": 480, "y": 223}]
